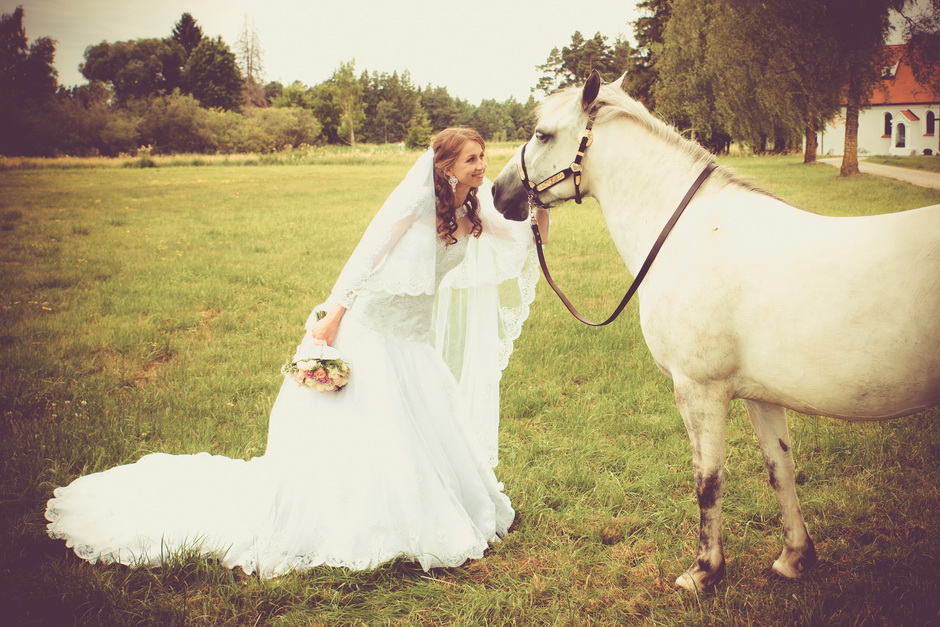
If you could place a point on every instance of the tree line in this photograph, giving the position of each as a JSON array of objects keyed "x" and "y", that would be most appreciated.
[
  {"x": 767, "y": 75},
  {"x": 191, "y": 93}
]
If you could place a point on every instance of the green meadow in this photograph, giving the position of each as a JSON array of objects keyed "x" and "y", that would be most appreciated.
[{"x": 148, "y": 309}]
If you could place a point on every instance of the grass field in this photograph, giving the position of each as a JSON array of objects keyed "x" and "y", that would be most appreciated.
[
  {"x": 150, "y": 309},
  {"x": 921, "y": 162}
]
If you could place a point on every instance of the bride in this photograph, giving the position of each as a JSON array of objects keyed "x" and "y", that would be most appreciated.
[{"x": 396, "y": 464}]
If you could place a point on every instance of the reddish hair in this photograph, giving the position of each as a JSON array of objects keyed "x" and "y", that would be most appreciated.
[{"x": 447, "y": 146}]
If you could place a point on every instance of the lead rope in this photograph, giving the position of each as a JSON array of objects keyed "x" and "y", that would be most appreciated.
[{"x": 646, "y": 264}]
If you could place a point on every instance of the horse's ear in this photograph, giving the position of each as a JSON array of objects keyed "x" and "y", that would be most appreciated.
[{"x": 591, "y": 88}]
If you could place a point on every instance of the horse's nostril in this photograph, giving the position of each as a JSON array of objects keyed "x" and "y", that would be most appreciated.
[{"x": 493, "y": 191}]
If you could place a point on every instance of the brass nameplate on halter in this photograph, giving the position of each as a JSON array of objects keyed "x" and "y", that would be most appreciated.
[{"x": 550, "y": 181}]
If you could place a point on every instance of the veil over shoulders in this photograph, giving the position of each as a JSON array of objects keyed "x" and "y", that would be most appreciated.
[
  {"x": 479, "y": 312},
  {"x": 396, "y": 254},
  {"x": 479, "y": 306}
]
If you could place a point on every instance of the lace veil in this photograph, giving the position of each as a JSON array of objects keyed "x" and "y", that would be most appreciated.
[{"x": 480, "y": 305}]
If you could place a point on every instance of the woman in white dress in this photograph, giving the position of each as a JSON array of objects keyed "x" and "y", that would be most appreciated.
[{"x": 398, "y": 464}]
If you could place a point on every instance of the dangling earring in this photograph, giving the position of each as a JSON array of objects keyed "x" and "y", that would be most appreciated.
[{"x": 453, "y": 183}]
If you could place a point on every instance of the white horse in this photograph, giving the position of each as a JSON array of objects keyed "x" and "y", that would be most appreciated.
[{"x": 749, "y": 298}]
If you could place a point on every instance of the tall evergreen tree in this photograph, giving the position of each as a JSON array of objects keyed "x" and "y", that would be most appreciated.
[
  {"x": 187, "y": 33},
  {"x": 573, "y": 63}
]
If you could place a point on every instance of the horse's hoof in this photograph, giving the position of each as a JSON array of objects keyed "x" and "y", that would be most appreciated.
[
  {"x": 685, "y": 581},
  {"x": 794, "y": 563},
  {"x": 786, "y": 570},
  {"x": 699, "y": 581}
]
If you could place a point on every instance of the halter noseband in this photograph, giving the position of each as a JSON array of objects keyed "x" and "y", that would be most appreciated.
[{"x": 534, "y": 189}]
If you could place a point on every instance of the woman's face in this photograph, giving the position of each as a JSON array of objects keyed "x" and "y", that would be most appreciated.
[{"x": 470, "y": 165}]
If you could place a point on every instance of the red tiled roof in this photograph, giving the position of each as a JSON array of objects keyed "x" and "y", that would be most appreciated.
[
  {"x": 902, "y": 88},
  {"x": 910, "y": 115}
]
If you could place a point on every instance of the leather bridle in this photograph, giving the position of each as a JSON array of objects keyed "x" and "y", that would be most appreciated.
[
  {"x": 575, "y": 169},
  {"x": 534, "y": 189}
]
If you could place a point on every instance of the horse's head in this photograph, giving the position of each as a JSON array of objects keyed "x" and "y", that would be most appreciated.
[{"x": 548, "y": 167}]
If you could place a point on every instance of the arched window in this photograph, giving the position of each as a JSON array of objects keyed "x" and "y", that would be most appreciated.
[
  {"x": 887, "y": 125},
  {"x": 901, "y": 140},
  {"x": 931, "y": 122}
]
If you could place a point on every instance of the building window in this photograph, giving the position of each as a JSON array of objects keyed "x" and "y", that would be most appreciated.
[
  {"x": 900, "y": 143},
  {"x": 887, "y": 125},
  {"x": 931, "y": 122}
]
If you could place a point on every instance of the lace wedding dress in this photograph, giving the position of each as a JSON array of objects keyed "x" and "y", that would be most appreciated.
[{"x": 397, "y": 464}]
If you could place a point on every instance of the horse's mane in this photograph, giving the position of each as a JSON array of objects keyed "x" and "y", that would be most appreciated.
[{"x": 617, "y": 103}]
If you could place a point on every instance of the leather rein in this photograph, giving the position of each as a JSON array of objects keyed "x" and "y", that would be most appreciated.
[{"x": 575, "y": 169}]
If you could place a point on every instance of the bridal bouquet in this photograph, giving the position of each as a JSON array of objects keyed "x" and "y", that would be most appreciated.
[{"x": 319, "y": 367}]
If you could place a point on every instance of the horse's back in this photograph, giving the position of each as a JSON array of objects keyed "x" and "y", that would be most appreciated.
[{"x": 833, "y": 316}]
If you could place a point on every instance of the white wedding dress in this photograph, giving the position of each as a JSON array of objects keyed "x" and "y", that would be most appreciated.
[{"x": 397, "y": 464}]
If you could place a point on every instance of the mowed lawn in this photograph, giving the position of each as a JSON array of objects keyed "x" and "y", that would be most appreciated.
[{"x": 150, "y": 309}]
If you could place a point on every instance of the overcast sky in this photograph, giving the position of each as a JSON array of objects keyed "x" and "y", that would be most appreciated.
[{"x": 477, "y": 49}]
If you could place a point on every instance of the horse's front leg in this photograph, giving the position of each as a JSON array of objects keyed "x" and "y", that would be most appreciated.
[
  {"x": 770, "y": 423},
  {"x": 704, "y": 410}
]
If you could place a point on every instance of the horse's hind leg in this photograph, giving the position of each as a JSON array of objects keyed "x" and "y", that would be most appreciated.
[
  {"x": 770, "y": 423},
  {"x": 704, "y": 411}
]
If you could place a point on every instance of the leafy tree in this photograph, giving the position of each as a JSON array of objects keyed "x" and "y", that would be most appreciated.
[
  {"x": 25, "y": 70},
  {"x": 272, "y": 91},
  {"x": 187, "y": 33},
  {"x": 211, "y": 75},
  {"x": 685, "y": 90},
  {"x": 390, "y": 104},
  {"x": 135, "y": 69},
  {"x": 346, "y": 92},
  {"x": 294, "y": 95},
  {"x": 175, "y": 123},
  {"x": 772, "y": 69},
  {"x": 922, "y": 32},
  {"x": 28, "y": 84},
  {"x": 859, "y": 37}
]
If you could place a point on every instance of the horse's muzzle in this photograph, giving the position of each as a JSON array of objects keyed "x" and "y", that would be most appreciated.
[{"x": 509, "y": 195}]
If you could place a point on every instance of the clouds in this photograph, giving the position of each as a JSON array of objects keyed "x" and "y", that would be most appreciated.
[{"x": 481, "y": 49}]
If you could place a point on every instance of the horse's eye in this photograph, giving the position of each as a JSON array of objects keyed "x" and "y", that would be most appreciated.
[{"x": 542, "y": 137}]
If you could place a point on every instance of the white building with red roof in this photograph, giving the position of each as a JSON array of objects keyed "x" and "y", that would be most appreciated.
[{"x": 904, "y": 117}]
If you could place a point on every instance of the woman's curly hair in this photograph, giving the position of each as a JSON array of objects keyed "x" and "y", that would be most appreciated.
[{"x": 447, "y": 146}]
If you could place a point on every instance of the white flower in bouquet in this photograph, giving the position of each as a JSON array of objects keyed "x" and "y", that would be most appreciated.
[{"x": 318, "y": 366}]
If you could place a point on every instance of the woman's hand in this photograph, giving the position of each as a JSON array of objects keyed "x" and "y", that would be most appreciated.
[{"x": 328, "y": 326}]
